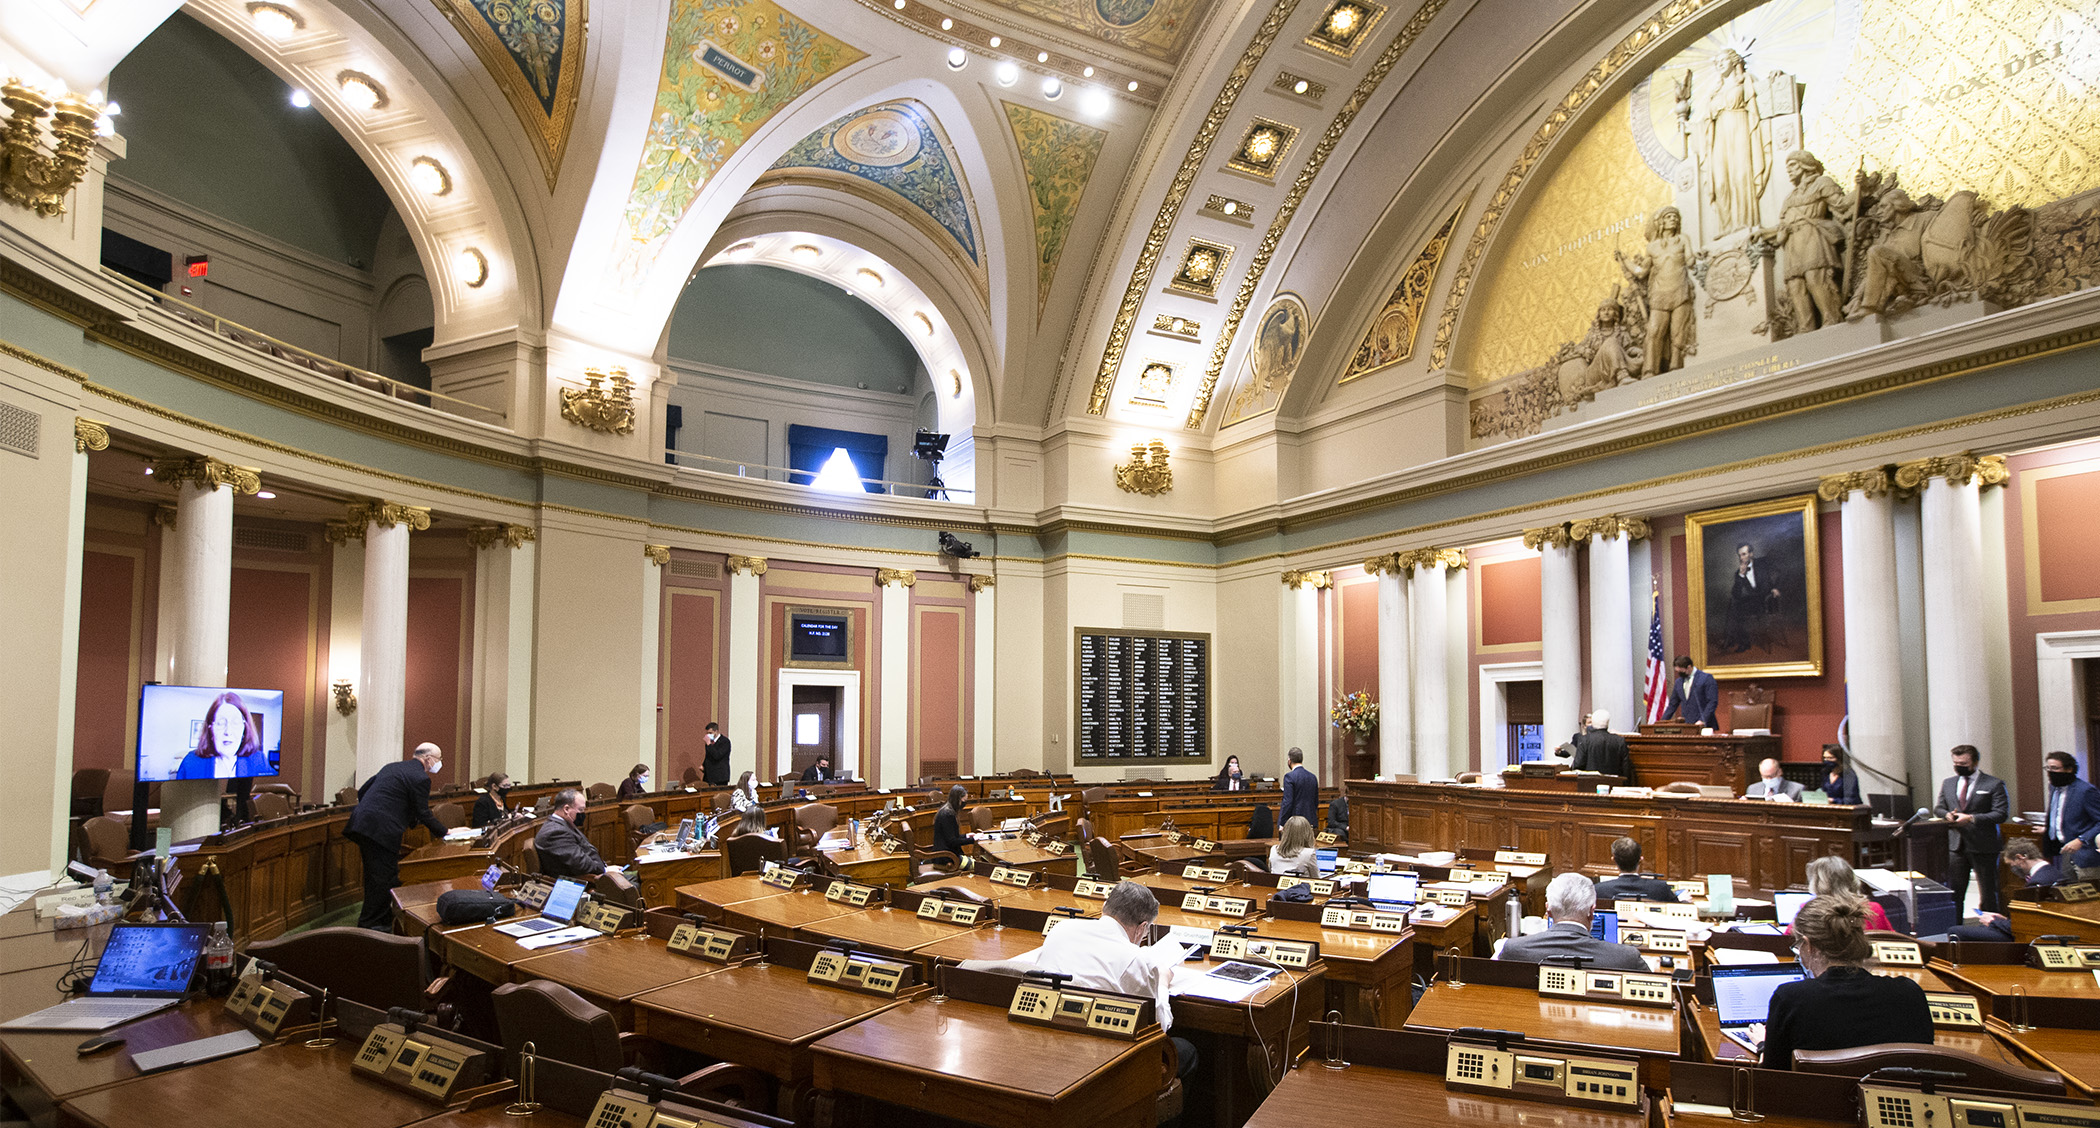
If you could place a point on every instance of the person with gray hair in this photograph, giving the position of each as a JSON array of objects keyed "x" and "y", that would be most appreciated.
[
  {"x": 1601, "y": 750},
  {"x": 1571, "y": 899},
  {"x": 1108, "y": 954},
  {"x": 395, "y": 798},
  {"x": 563, "y": 849}
]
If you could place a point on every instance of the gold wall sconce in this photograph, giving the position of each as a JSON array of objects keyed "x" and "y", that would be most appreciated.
[
  {"x": 605, "y": 404},
  {"x": 345, "y": 697},
  {"x": 1147, "y": 471},
  {"x": 30, "y": 177}
]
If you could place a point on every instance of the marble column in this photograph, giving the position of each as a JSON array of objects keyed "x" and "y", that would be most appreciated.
[
  {"x": 1612, "y": 685},
  {"x": 892, "y": 751},
  {"x": 504, "y": 561},
  {"x": 984, "y": 697},
  {"x": 88, "y": 435},
  {"x": 1958, "y": 695},
  {"x": 1429, "y": 601},
  {"x": 346, "y": 620},
  {"x": 649, "y": 669},
  {"x": 1873, "y": 671},
  {"x": 1300, "y": 717},
  {"x": 1560, "y": 630},
  {"x": 201, "y": 544},
  {"x": 382, "y": 667},
  {"x": 1396, "y": 737},
  {"x": 749, "y": 736}
]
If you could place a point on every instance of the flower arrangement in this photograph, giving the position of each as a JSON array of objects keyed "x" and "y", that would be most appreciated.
[{"x": 1356, "y": 713}]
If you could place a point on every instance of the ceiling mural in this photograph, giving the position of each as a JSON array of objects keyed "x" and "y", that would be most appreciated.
[
  {"x": 729, "y": 67},
  {"x": 1058, "y": 157},
  {"x": 534, "y": 51},
  {"x": 899, "y": 149},
  {"x": 1271, "y": 361},
  {"x": 1392, "y": 336},
  {"x": 1157, "y": 29}
]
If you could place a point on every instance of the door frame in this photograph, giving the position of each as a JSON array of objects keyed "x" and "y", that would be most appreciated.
[
  {"x": 1495, "y": 752},
  {"x": 846, "y": 725}
]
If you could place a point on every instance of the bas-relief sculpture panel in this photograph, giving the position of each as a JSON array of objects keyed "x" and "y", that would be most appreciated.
[
  {"x": 1271, "y": 362},
  {"x": 729, "y": 67},
  {"x": 1157, "y": 29},
  {"x": 899, "y": 148},
  {"x": 1811, "y": 165}
]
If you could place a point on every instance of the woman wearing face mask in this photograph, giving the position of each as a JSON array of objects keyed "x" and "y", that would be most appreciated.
[
  {"x": 636, "y": 784},
  {"x": 228, "y": 745},
  {"x": 1842, "y": 1004},
  {"x": 745, "y": 797},
  {"x": 1229, "y": 778},
  {"x": 1840, "y": 782},
  {"x": 494, "y": 802}
]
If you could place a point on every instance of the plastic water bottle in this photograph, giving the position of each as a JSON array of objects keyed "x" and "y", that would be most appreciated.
[
  {"x": 104, "y": 887},
  {"x": 218, "y": 962}
]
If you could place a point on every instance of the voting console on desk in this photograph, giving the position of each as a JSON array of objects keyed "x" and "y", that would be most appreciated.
[{"x": 426, "y": 1064}]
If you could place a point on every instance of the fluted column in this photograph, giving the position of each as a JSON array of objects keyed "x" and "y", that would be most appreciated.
[
  {"x": 1396, "y": 737},
  {"x": 382, "y": 667},
  {"x": 649, "y": 662},
  {"x": 1958, "y": 696},
  {"x": 1873, "y": 643},
  {"x": 1560, "y": 629},
  {"x": 1612, "y": 686},
  {"x": 749, "y": 737},
  {"x": 1301, "y": 717},
  {"x": 893, "y": 752},
  {"x": 201, "y": 547},
  {"x": 502, "y": 706},
  {"x": 1429, "y": 601}
]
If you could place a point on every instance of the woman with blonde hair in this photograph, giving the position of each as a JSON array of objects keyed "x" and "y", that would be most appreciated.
[
  {"x": 1833, "y": 876},
  {"x": 1841, "y": 1004},
  {"x": 1295, "y": 854}
]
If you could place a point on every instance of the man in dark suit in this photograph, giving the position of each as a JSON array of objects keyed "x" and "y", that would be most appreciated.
[
  {"x": 1301, "y": 792},
  {"x": 1976, "y": 804},
  {"x": 563, "y": 850},
  {"x": 1753, "y": 595},
  {"x": 1694, "y": 695},
  {"x": 1771, "y": 785},
  {"x": 1570, "y": 900},
  {"x": 1599, "y": 749},
  {"x": 2026, "y": 859},
  {"x": 2070, "y": 814},
  {"x": 1630, "y": 885},
  {"x": 714, "y": 770},
  {"x": 819, "y": 772},
  {"x": 395, "y": 798}
]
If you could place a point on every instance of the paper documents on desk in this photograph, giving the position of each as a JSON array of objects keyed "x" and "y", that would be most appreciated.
[
  {"x": 462, "y": 834},
  {"x": 1197, "y": 982},
  {"x": 1736, "y": 957},
  {"x": 558, "y": 936}
]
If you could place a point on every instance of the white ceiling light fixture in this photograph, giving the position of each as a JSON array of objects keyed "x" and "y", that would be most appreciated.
[
  {"x": 301, "y": 99},
  {"x": 1008, "y": 73},
  {"x": 1133, "y": 86},
  {"x": 471, "y": 267},
  {"x": 1053, "y": 89},
  {"x": 957, "y": 58},
  {"x": 947, "y": 24},
  {"x": 275, "y": 21},
  {"x": 1087, "y": 72},
  {"x": 924, "y": 321},
  {"x": 361, "y": 90},
  {"x": 1094, "y": 102},
  {"x": 430, "y": 177},
  {"x": 994, "y": 41},
  {"x": 807, "y": 252},
  {"x": 265, "y": 495},
  {"x": 871, "y": 277},
  {"x": 1042, "y": 56}
]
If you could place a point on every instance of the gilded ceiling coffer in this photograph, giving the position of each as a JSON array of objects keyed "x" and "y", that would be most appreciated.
[
  {"x": 601, "y": 407},
  {"x": 30, "y": 177}
]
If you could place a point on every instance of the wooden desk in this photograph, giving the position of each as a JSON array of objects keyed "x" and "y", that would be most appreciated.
[
  {"x": 2054, "y": 918},
  {"x": 1169, "y": 887},
  {"x": 887, "y": 931},
  {"x": 1017, "y": 853},
  {"x": 1998, "y": 980},
  {"x": 280, "y": 1086},
  {"x": 789, "y": 912},
  {"x": 708, "y": 897},
  {"x": 1710, "y": 1045},
  {"x": 763, "y": 1017},
  {"x": 40, "y": 1069},
  {"x": 1370, "y": 975},
  {"x": 993, "y": 943},
  {"x": 872, "y": 865},
  {"x": 1730, "y": 761},
  {"x": 1649, "y": 1032},
  {"x": 488, "y": 955},
  {"x": 1366, "y": 1094},
  {"x": 1237, "y": 1043},
  {"x": 27, "y": 991},
  {"x": 660, "y": 875},
  {"x": 493, "y": 1116},
  {"x": 2073, "y": 1053},
  {"x": 415, "y": 906},
  {"x": 53, "y": 948},
  {"x": 1038, "y": 898},
  {"x": 612, "y": 972},
  {"x": 968, "y": 1062}
]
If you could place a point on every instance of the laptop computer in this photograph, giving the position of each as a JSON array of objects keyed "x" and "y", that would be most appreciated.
[
  {"x": 144, "y": 968},
  {"x": 1743, "y": 998},
  {"x": 1393, "y": 892},
  {"x": 1604, "y": 925},
  {"x": 558, "y": 912},
  {"x": 1786, "y": 903},
  {"x": 1329, "y": 858}
]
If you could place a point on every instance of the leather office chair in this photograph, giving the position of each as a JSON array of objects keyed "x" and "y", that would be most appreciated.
[
  {"x": 452, "y": 815},
  {"x": 599, "y": 791},
  {"x": 1093, "y": 795},
  {"x": 1750, "y": 707},
  {"x": 981, "y": 819},
  {"x": 347, "y": 797},
  {"x": 1247, "y": 868},
  {"x": 373, "y": 968},
  {"x": 928, "y": 865},
  {"x": 1023, "y": 773},
  {"x": 117, "y": 793},
  {"x": 89, "y": 785},
  {"x": 817, "y": 818},
  {"x": 1101, "y": 861},
  {"x": 1680, "y": 787},
  {"x": 1085, "y": 827},
  {"x": 692, "y": 776},
  {"x": 270, "y": 805},
  {"x": 1263, "y": 824},
  {"x": 749, "y": 853},
  {"x": 108, "y": 845},
  {"x": 1468, "y": 777},
  {"x": 1981, "y": 1072},
  {"x": 290, "y": 794},
  {"x": 529, "y": 858},
  {"x": 640, "y": 817}
]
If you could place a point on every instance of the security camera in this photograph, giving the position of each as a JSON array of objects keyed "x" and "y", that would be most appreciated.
[{"x": 953, "y": 546}]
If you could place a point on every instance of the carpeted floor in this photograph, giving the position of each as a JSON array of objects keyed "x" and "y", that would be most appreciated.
[{"x": 347, "y": 915}]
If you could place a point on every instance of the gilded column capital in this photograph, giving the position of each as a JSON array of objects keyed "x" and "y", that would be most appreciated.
[
  {"x": 1873, "y": 482},
  {"x": 981, "y": 583},
  {"x": 738, "y": 565},
  {"x": 343, "y": 532},
  {"x": 1453, "y": 558},
  {"x": 387, "y": 514},
  {"x": 1958, "y": 469},
  {"x": 658, "y": 554},
  {"x": 89, "y": 435},
  {"x": 1388, "y": 564},
  {"x": 1554, "y": 535},
  {"x": 208, "y": 474},
  {"x": 901, "y": 577},
  {"x": 489, "y": 536},
  {"x": 1611, "y": 526},
  {"x": 1314, "y": 580},
  {"x": 164, "y": 516}
]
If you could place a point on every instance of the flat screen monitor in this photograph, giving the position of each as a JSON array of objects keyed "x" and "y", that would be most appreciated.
[
  {"x": 1604, "y": 925},
  {"x": 1393, "y": 888},
  {"x": 1786, "y": 904},
  {"x": 818, "y": 638},
  {"x": 1743, "y": 995},
  {"x": 562, "y": 900},
  {"x": 208, "y": 732}
]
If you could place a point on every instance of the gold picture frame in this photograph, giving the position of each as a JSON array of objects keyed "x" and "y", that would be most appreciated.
[{"x": 1771, "y": 626}]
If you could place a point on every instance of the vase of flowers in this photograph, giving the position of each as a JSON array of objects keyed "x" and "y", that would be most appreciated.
[{"x": 1357, "y": 715}]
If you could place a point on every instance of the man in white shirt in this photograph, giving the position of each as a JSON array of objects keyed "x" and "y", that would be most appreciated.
[{"x": 1105, "y": 954}]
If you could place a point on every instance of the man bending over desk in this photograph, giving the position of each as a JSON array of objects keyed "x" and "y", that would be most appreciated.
[
  {"x": 1570, "y": 900},
  {"x": 1103, "y": 954}
]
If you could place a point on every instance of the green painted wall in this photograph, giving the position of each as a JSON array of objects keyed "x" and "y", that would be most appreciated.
[
  {"x": 779, "y": 323},
  {"x": 214, "y": 129}
]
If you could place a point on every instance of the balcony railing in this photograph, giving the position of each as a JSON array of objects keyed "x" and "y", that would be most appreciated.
[{"x": 734, "y": 468}]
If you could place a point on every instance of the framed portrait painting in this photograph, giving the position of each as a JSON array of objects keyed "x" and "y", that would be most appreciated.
[{"x": 1756, "y": 584}]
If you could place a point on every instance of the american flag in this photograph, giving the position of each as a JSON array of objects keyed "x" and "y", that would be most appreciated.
[{"x": 1656, "y": 693}]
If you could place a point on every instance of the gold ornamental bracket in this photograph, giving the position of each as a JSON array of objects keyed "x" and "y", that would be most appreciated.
[
  {"x": 1557, "y": 536},
  {"x": 901, "y": 577},
  {"x": 1986, "y": 470},
  {"x": 1147, "y": 471},
  {"x": 605, "y": 403},
  {"x": 1450, "y": 558},
  {"x": 30, "y": 176},
  {"x": 981, "y": 583},
  {"x": 1386, "y": 565},
  {"x": 342, "y": 532},
  {"x": 512, "y": 536},
  {"x": 1609, "y": 527},
  {"x": 386, "y": 515},
  {"x": 1839, "y": 487},
  {"x": 89, "y": 435},
  {"x": 208, "y": 474},
  {"x": 1296, "y": 579},
  {"x": 658, "y": 554},
  {"x": 345, "y": 696},
  {"x": 738, "y": 565}
]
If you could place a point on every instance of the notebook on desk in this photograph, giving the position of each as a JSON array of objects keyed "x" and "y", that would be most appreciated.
[
  {"x": 557, "y": 913},
  {"x": 144, "y": 968}
]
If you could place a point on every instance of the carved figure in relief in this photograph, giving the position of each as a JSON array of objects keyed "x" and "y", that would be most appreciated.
[
  {"x": 1604, "y": 359},
  {"x": 1895, "y": 264},
  {"x": 1664, "y": 275},
  {"x": 1809, "y": 234},
  {"x": 1738, "y": 155}
]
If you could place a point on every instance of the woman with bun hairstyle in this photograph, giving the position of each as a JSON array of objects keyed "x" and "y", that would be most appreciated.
[{"x": 1841, "y": 1004}]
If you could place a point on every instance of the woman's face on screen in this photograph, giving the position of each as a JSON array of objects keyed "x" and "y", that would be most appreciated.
[{"x": 228, "y": 730}]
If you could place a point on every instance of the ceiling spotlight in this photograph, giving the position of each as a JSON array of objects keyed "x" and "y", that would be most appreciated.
[
  {"x": 1301, "y": 86},
  {"x": 924, "y": 321},
  {"x": 1088, "y": 72},
  {"x": 957, "y": 57},
  {"x": 276, "y": 21},
  {"x": 1133, "y": 86},
  {"x": 899, "y": 5},
  {"x": 947, "y": 24},
  {"x": 149, "y": 471},
  {"x": 807, "y": 252},
  {"x": 471, "y": 267},
  {"x": 1007, "y": 73},
  {"x": 871, "y": 277},
  {"x": 265, "y": 495},
  {"x": 301, "y": 100},
  {"x": 994, "y": 41},
  {"x": 361, "y": 90},
  {"x": 1052, "y": 88},
  {"x": 1232, "y": 207},
  {"x": 1094, "y": 102},
  {"x": 1042, "y": 56},
  {"x": 741, "y": 249},
  {"x": 429, "y": 176}
]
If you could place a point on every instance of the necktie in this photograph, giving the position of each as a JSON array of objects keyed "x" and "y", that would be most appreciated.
[{"x": 1964, "y": 797}]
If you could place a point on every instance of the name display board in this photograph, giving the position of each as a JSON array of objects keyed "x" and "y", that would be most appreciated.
[{"x": 1143, "y": 695}]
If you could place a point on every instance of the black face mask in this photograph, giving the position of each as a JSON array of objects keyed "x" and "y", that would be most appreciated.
[
  {"x": 1965, "y": 771},
  {"x": 2061, "y": 779},
  {"x": 1830, "y": 765}
]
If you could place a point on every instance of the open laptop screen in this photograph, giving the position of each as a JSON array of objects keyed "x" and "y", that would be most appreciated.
[
  {"x": 1327, "y": 860},
  {"x": 1743, "y": 995},
  {"x": 149, "y": 959},
  {"x": 562, "y": 901},
  {"x": 1785, "y": 905},
  {"x": 1394, "y": 888},
  {"x": 1604, "y": 925}
]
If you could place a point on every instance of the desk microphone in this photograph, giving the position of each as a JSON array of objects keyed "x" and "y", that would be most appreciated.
[{"x": 1922, "y": 813}]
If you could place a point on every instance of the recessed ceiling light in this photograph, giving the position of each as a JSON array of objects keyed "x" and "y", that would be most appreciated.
[
  {"x": 1042, "y": 56},
  {"x": 899, "y": 5},
  {"x": 429, "y": 176},
  {"x": 957, "y": 57},
  {"x": 1133, "y": 86},
  {"x": 149, "y": 471},
  {"x": 361, "y": 90},
  {"x": 925, "y": 322},
  {"x": 275, "y": 21},
  {"x": 301, "y": 99},
  {"x": 1052, "y": 89},
  {"x": 1087, "y": 72},
  {"x": 1094, "y": 102},
  {"x": 471, "y": 267},
  {"x": 265, "y": 495},
  {"x": 994, "y": 41},
  {"x": 1007, "y": 73},
  {"x": 1301, "y": 86},
  {"x": 947, "y": 24},
  {"x": 871, "y": 277},
  {"x": 807, "y": 251}
]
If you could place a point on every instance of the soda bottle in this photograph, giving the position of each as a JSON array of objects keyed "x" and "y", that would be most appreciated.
[{"x": 218, "y": 962}]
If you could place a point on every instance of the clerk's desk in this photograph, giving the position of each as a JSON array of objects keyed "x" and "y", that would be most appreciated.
[{"x": 1504, "y": 995}]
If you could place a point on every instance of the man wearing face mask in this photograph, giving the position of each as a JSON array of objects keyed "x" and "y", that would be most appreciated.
[
  {"x": 2025, "y": 859},
  {"x": 2070, "y": 814},
  {"x": 1976, "y": 804},
  {"x": 563, "y": 849},
  {"x": 395, "y": 798}
]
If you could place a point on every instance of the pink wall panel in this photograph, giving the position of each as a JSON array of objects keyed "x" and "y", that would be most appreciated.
[
  {"x": 937, "y": 690},
  {"x": 270, "y": 641},
  {"x": 106, "y": 701},
  {"x": 1509, "y": 601},
  {"x": 437, "y": 670},
  {"x": 692, "y": 629}
]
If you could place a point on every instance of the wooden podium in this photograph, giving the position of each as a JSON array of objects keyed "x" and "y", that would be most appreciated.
[{"x": 1668, "y": 752}]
